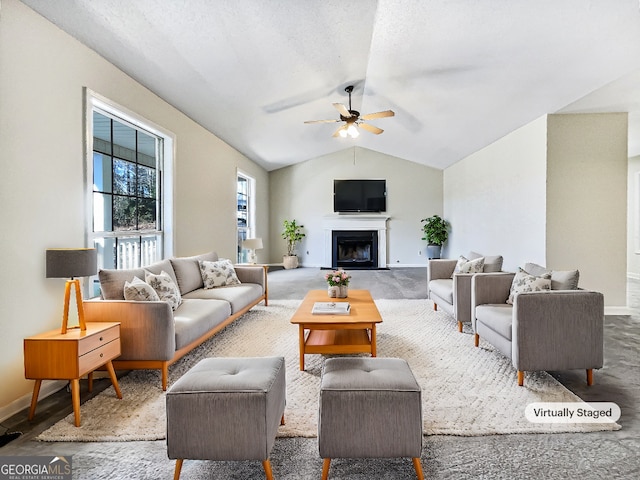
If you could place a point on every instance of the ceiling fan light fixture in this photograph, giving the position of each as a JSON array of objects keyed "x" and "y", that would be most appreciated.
[
  {"x": 352, "y": 131},
  {"x": 343, "y": 133}
]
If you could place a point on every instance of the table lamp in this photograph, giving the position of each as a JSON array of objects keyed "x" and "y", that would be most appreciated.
[
  {"x": 252, "y": 244},
  {"x": 71, "y": 263}
]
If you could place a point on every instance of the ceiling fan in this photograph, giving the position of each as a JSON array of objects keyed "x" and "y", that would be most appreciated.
[{"x": 353, "y": 119}]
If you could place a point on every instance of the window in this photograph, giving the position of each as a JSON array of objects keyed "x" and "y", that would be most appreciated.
[
  {"x": 125, "y": 167},
  {"x": 245, "y": 216}
]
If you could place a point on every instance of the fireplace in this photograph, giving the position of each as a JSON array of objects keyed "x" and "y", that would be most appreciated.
[
  {"x": 367, "y": 225},
  {"x": 354, "y": 249}
]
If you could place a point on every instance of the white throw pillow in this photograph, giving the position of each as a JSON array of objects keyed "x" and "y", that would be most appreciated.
[
  {"x": 523, "y": 281},
  {"x": 165, "y": 287},
  {"x": 140, "y": 290},
  {"x": 218, "y": 274},
  {"x": 469, "y": 266}
]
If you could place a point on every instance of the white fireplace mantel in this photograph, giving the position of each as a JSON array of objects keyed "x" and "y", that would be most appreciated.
[{"x": 356, "y": 222}]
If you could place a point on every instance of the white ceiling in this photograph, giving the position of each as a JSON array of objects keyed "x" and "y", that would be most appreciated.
[{"x": 459, "y": 74}]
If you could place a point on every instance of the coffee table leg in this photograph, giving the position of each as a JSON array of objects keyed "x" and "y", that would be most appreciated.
[
  {"x": 373, "y": 340},
  {"x": 301, "y": 335}
]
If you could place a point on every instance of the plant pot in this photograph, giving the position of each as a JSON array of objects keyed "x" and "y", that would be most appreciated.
[
  {"x": 338, "y": 291},
  {"x": 433, "y": 251},
  {"x": 290, "y": 261}
]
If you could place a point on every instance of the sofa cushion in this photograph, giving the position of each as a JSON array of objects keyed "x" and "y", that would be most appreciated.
[
  {"x": 187, "y": 271},
  {"x": 194, "y": 317},
  {"x": 165, "y": 287},
  {"x": 497, "y": 317},
  {"x": 469, "y": 266},
  {"x": 443, "y": 287},
  {"x": 218, "y": 274},
  {"x": 525, "y": 282},
  {"x": 238, "y": 296},
  {"x": 560, "y": 279},
  {"x": 140, "y": 290}
]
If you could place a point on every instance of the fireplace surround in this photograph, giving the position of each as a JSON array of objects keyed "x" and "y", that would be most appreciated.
[{"x": 363, "y": 241}]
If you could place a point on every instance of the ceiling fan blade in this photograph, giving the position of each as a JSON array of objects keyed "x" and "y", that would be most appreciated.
[
  {"x": 371, "y": 116},
  {"x": 370, "y": 128},
  {"x": 344, "y": 111},
  {"x": 322, "y": 121},
  {"x": 337, "y": 132}
]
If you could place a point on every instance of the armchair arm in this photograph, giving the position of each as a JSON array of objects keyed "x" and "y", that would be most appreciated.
[
  {"x": 462, "y": 296},
  {"x": 439, "y": 268},
  {"x": 147, "y": 330},
  {"x": 558, "y": 330},
  {"x": 490, "y": 288}
]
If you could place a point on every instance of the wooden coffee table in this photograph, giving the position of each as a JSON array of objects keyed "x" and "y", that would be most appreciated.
[{"x": 353, "y": 333}]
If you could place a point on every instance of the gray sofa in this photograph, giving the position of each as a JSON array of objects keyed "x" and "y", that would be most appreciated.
[
  {"x": 452, "y": 292},
  {"x": 552, "y": 330},
  {"x": 152, "y": 334}
]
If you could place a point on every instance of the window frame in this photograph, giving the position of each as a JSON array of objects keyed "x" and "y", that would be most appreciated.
[{"x": 250, "y": 228}]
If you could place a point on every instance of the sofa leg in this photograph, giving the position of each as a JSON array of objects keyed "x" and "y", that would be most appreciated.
[
  {"x": 418, "y": 466},
  {"x": 435, "y": 306},
  {"x": 165, "y": 376},
  {"x": 476, "y": 339},
  {"x": 460, "y": 327},
  {"x": 589, "y": 376},
  {"x": 520, "y": 378},
  {"x": 325, "y": 468},
  {"x": 282, "y": 420},
  {"x": 266, "y": 464},
  {"x": 176, "y": 472}
]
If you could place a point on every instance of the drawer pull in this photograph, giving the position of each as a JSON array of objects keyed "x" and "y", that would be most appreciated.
[
  {"x": 101, "y": 355},
  {"x": 101, "y": 338}
]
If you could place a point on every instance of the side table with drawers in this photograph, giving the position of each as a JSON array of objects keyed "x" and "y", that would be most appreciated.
[{"x": 69, "y": 356}]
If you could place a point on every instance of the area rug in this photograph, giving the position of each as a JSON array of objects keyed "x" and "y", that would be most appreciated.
[{"x": 466, "y": 391}]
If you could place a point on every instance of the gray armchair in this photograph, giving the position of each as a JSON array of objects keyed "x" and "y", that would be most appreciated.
[
  {"x": 452, "y": 292},
  {"x": 552, "y": 330}
]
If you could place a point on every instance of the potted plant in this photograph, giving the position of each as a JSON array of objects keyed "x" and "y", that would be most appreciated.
[
  {"x": 436, "y": 232},
  {"x": 338, "y": 283},
  {"x": 292, "y": 233}
]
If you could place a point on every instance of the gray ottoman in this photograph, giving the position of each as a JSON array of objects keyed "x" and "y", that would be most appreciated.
[
  {"x": 369, "y": 408},
  {"x": 226, "y": 409}
]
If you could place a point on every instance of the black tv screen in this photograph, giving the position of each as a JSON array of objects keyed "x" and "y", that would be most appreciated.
[{"x": 359, "y": 195}]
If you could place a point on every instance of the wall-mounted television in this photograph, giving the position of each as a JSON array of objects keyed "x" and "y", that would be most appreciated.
[{"x": 359, "y": 195}]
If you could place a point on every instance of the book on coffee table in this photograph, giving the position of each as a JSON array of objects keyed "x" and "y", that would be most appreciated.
[{"x": 331, "y": 308}]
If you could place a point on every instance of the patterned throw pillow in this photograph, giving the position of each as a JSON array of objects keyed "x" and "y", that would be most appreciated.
[
  {"x": 465, "y": 265},
  {"x": 525, "y": 282},
  {"x": 165, "y": 287},
  {"x": 218, "y": 274},
  {"x": 140, "y": 290}
]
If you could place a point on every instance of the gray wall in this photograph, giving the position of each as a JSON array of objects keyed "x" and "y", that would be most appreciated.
[
  {"x": 304, "y": 192},
  {"x": 552, "y": 192}
]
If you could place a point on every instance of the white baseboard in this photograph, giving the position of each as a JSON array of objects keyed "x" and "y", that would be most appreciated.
[
  {"x": 618, "y": 310},
  {"x": 48, "y": 387}
]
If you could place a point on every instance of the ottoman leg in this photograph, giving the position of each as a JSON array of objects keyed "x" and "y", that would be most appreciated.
[
  {"x": 266, "y": 464},
  {"x": 325, "y": 468},
  {"x": 176, "y": 473},
  {"x": 418, "y": 466}
]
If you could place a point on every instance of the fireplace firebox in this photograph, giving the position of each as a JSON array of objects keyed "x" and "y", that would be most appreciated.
[{"x": 354, "y": 249}]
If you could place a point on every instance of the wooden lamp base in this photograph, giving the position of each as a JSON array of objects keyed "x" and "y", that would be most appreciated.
[{"x": 67, "y": 296}]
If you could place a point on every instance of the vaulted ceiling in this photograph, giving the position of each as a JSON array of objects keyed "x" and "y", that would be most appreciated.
[{"x": 459, "y": 74}]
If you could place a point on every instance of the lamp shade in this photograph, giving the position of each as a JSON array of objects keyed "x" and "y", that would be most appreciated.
[
  {"x": 71, "y": 262},
  {"x": 252, "y": 244}
]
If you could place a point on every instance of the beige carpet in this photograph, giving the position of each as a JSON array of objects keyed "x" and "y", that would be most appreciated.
[{"x": 467, "y": 391}]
